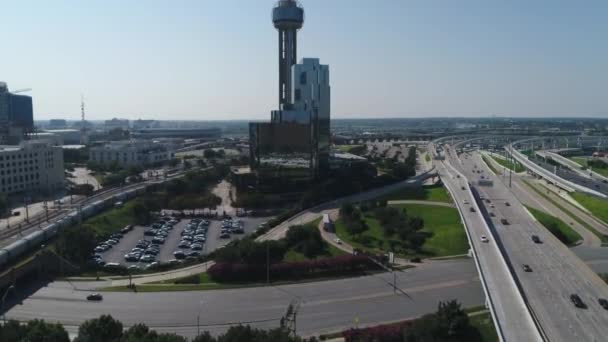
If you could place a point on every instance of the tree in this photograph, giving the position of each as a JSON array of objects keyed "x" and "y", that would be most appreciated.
[
  {"x": 40, "y": 331},
  {"x": 12, "y": 331},
  {"x": 76, "y": 243},
  {"x": 347, "y": 209},
  {"x": 141, "y": 213},
  {"x": 3, "y": 203},
  {"x": 102, "y": 329},
  {"x": 82, "y": 189},
  {"x": 204, "y": 337}
]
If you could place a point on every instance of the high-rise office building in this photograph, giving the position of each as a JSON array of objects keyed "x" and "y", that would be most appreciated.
[
  {"x": 16, "y": 116},
  {"x": 294, "y": 145}
]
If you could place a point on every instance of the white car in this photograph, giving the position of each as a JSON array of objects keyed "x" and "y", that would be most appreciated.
[
  {"x": 338, "y": 241},
  {"x": 484, "y": 239}
]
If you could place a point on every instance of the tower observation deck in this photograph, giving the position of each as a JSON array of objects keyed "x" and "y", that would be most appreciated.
[{"x": 288, "y": 18}]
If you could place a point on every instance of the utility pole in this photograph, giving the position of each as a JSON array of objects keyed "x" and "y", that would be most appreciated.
[
  {"x": 267, "y": 263},
  {"x": 289, "y": 320},
  {"x": 27, "y": 212}
]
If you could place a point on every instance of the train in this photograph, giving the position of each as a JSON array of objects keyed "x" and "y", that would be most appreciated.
[{"x": 36, "y": 239}]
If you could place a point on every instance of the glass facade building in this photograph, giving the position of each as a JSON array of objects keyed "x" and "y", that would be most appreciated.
[{"x": 295, "y": 143}]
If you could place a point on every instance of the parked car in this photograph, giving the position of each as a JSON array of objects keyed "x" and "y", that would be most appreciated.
[
  {"x": 179, "y": 255},
  {"x": 147, "y": 258},
  {"x": 224, "y": 236},
  {"x": 184, "y": 244}
]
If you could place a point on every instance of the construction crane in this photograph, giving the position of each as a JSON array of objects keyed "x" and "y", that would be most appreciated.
[{"x": 21, "y": 90}]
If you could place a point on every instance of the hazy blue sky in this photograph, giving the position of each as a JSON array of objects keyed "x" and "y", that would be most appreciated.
[{"x": 204, "y": 59}]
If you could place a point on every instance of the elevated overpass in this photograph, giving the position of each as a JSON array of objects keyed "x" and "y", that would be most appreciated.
[{"x": 512, "y": 319}]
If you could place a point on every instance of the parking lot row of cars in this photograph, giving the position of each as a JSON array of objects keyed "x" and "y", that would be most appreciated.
[
  {"x": 193, "y": 239},
  {"x": 96, "y": 257}
]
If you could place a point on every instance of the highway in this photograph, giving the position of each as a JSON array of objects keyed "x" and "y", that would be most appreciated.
[
  {"x": 529, "y": 197},
  {"x": 326, "y": 306},
  {"x": 512, "y": 320},
  {"x": 556, "y": 271}
]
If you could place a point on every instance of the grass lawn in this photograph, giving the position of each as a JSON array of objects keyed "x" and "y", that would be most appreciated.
[
  {"x": 516, "y": 167},
  {"x": 597, "y": 206},
  {"x": 491, "y": 165},
  {"x": 601, "y": 236},
  {"x": 111, "y": 220},
  {"x": 448, "y": 235},
  {"x": 426, "y": 193},
  {"x": 556, "y": 226},
  {"x": 347, "y": 148},
  {"x": 485, "y": 325},
  {"x": 582, "y": 161}
]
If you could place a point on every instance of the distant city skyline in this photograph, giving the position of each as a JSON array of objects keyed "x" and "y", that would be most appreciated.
[{"x": 204, "y": 60}]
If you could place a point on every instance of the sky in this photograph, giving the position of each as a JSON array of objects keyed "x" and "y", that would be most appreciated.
[{"x": 218, "y": 60}]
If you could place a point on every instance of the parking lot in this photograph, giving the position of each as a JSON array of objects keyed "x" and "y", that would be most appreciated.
[{"x": 125, "y": 245}]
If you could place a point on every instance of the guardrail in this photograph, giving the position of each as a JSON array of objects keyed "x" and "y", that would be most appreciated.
[
  {"x": 559, "y": 181},
  {"x": 525, "y": 308}
]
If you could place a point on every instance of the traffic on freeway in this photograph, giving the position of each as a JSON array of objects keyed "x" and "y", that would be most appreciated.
[{"x": 554, "y": 276}]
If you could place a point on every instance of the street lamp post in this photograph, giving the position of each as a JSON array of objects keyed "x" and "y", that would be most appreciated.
[{"x": 12, "y": 287}]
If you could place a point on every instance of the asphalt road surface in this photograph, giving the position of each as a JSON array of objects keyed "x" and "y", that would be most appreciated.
[
  {"x": 556, "y": 271},
  {"x": 513, "y": 322},
  {"x": 326, "y": 306}
]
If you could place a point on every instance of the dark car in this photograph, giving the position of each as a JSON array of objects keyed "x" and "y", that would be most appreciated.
[
  {"x": 95, "y": 297},
  {"x": 504, "y": 222},
  {"x": 472, "y": 209},
  {"x": 577, "y": 301},
  {"x": 536, "y": 239},
  {"x": 527, "y": 268},
  {"x": 492, "y": 214},
  {"x": 507, "y": 204},
  {"x": 179, "y": 255},
  {"x": 193, "y": 254},
  {"x": 603, "y": 302}
]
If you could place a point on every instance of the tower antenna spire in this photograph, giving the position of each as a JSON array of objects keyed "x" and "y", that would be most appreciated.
[
  {"x": 288, "y": 18},
  {"x": 83, "y": 129}
]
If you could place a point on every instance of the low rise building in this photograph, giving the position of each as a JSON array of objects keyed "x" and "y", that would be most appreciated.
[
  {"x": 130, "y": 152},
  {"x": 33, "y": 166},
  {"x": 116, "y": 123}
]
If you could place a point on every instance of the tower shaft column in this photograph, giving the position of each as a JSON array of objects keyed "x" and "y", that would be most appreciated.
[{"x": 287, "y": 58}]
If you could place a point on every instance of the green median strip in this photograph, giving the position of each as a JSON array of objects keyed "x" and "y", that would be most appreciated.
[
  {"x": 490, "y": 165},
  {"x": 597, "y": 206},
  {"x": 557, "y": 227},
  {"x": 603, "y": 238}
]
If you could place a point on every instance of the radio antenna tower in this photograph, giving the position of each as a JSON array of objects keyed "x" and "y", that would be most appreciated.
[{"x": 83, "y": 129}]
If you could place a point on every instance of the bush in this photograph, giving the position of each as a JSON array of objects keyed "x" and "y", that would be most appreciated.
[
  {"x": 240, "y": 272},
  {"x": 193, "y": 279}
]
